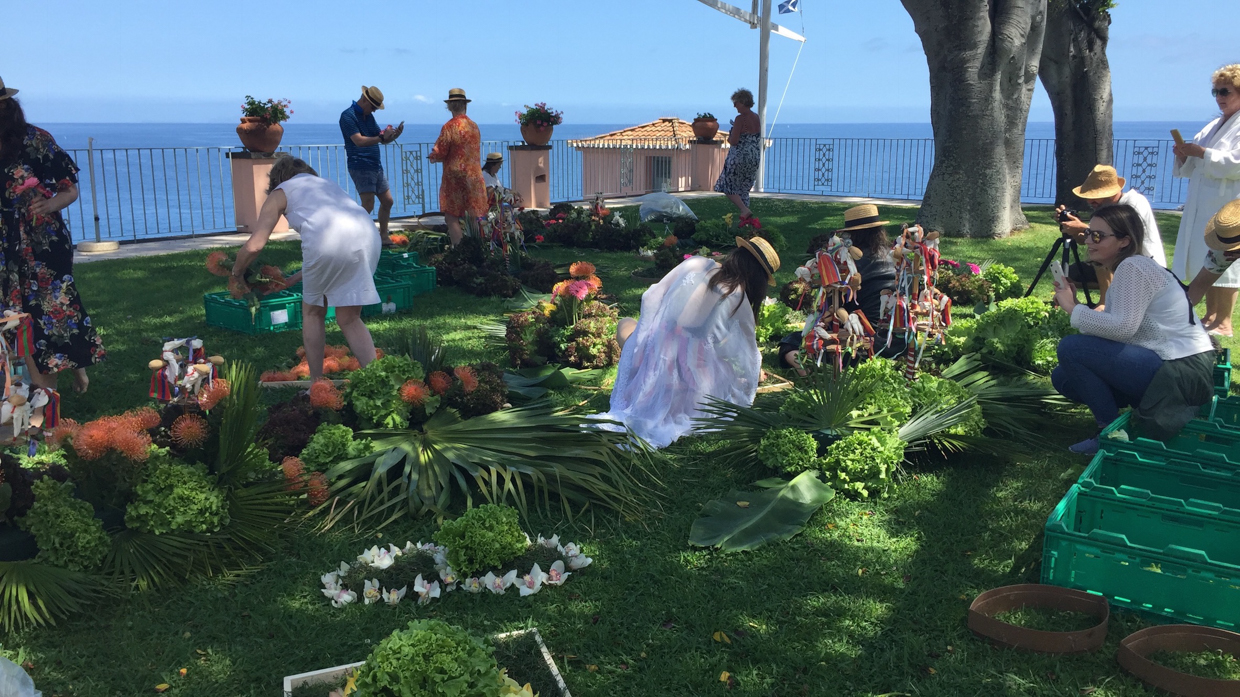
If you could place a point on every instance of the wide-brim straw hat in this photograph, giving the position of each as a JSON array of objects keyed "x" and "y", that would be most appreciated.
[
  {"x": 1223, "y": 230},
  {"x": 6, "y": 92},
  {"x": 374, "y": 95},
  {"x": 1102, "y": 182},
  {"x": 494, "y": 157},
  {"x": 456, "y": 94},
  {"x": 765, "y": 254},
  {"x": 862, "y": 217}
]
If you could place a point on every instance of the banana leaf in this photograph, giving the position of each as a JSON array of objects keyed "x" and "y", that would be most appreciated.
[{"x": 747, "y": 520}]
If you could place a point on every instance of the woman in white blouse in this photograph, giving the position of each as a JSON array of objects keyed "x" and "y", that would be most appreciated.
[
  {"x": 1146, "y": 324},
  {"x": 1212, "y": 164}
]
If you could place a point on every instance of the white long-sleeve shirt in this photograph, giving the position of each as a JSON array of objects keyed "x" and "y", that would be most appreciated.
[{"x": 1145, "y": 307}]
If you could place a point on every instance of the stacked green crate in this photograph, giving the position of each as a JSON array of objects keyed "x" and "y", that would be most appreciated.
[
  {"x": 395, "y": 295},
  {"x": 277, "y": 312},
  {"x": 1222, "y": 373}
]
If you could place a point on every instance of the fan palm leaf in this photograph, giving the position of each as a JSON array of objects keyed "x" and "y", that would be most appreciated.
[
  {"x": 523, "y": 456},
  {"x": 36, "y": 594},
  {"x": 1013, "y": 406}
]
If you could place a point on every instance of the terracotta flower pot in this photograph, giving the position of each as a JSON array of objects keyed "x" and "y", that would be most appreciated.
[
  {"x": 705, "y": 129},
  {"x": 257, "y": 136},
  {"x": 533, "y": 135}
]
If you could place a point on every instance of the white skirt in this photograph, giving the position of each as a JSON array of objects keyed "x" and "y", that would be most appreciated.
[{"x": 339, "y": 282}]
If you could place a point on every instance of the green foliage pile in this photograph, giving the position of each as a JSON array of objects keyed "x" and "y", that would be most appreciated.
[
  {"x": 860, "y": 464},
  {"x": 773, "y": 321},
  {"x": 1023, "y": 332},
  {"x": 1004, "y": 281},
  {"x": 889, "y": 395},
  {"x": 486, "y": 537},
  {"x": 332, "y": 443},
  {"x": 430, "y": 658},
  {"x": 965, "y": 288},
  {"x": 931, "y": 392},
  {"x": 65, "y": 528},
  {"x": 374, "y": 391},
  {"x": 176, "y": 497},
  {"x": 788, "y": 450}
]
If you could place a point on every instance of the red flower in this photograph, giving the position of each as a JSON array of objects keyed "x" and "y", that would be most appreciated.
[
  {"x": 538, "y": 238},
  {"x": 439, "y": 382}
]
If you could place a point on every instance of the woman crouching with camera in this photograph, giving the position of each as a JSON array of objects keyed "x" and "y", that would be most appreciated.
[{"x": 1146, "y": 349}]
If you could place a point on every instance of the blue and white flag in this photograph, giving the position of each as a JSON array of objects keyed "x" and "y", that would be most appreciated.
[{"x": 788, "y": 6}]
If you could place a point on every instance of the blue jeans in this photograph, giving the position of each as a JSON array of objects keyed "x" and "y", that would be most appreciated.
[{"x": 1103, "y": 374}]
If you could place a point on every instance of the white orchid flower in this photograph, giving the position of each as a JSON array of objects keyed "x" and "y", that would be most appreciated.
[
  {"x": 331, "y": 580},
  {"x": 441, "y": 558},
  {"x": 498, "y": 584},
  {"x": 425, "y": 590},
  {"x": 394, "y": 550},
  {"x": 532, "y": 582},
  {"x": 556, "y": 575},
  {"x": 552, "y": 543},
  {"x": 393, "y": 597},
  {"x": 409, "y": 546},
  {"x": 619, "y": 220},
  {"x": 371, "y": 592},
  {"x": 473, "y": 584},
  {"x": 579, "y": 561},
  {"x": 340, "y": 597},
  {"x": 377, "y": 558},
  {"x": 448, "y": 576}
]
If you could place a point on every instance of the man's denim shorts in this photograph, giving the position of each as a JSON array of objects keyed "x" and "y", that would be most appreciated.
[{"x": 369, "y": 181}]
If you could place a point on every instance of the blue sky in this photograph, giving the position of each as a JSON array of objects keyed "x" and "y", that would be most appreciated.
[{"x": 600, "y": 62}]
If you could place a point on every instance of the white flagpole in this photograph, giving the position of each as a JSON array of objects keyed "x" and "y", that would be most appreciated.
[{"x": 764, "y": 51}]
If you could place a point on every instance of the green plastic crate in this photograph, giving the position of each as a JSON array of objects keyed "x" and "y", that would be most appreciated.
[
  {"x": 331, "y": 311},
  {"x": 277, "y": 312},
  {"x": 1214, "y": 479},
  {"x": 395, "y": 292},
  {"x": 1182, "y": 583},
  {"x": 421, "y": 278},
  {"x": 1199, "y": 439},
  {"x": 389, "y": 259},
  {"x": 1226, "y": 411}
]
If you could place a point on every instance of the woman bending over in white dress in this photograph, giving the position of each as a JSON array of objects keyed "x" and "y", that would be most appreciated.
[
  {"x": 695, "y": 339},
  {"x": 339, "y": 250}
]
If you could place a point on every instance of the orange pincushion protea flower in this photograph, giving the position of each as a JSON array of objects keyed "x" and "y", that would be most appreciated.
[
  {"x": 324, "y": 395},
  {"x": 217, "y": 264},
  {"x": 301, "y": 351},
  {"x": 399, "y": 239},
  {"x": 469, "y": 381},
  {"x": 275, "y": 274},
  {"x": 350, "y": 364},
  {"x": 336, "y": 352},
  {"x": 413, "y": 392},
  {"x": 594, "y": 282},
  {"x": 316, "y": 488},
  {"x": 379, "y": 353},
  {"x": 134, "y": 445},
  {"x": 301, "y": 370},
  {"x": 146, "y": 418},
  {"x": 331, "y": 365},
  {"x": 92, "y": 441},
  {"x": 213, "y": 393},
  {"x": 560, "y": 289},
  {"x": 189, "y": 431},
  {"x": 581, "y": 269},
  {"x": 439, "y": 382},
  {"x": 67, "y": 428},
  {"x": 670, "y": 241},
  {"x": 294, "y": 471}
]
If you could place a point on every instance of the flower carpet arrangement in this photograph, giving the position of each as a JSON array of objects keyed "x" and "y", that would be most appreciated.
[
  {"x": 593, "y": 227},
  {"x": 573, "y": 327}
]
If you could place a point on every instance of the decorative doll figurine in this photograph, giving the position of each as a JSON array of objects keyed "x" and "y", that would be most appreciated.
[{"x": 16, "y": 410}]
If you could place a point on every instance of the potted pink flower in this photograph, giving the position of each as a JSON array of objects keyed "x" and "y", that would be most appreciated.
[
  {"x": 537, "y": 123},
  {"x": 260, "y": 129}
]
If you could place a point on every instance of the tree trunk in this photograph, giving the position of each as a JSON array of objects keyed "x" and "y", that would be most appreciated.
[
  {"x": 983, "y": 57},
  {"x": 1077, "y": 78}
]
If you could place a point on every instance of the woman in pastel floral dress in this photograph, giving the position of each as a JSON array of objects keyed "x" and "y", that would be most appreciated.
[
  {"x": 462, "y": 195},
  {"x": 37, "y": 180}
]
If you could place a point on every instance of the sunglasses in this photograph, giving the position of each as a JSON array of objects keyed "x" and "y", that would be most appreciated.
[
  {"x": 1220, "y": 92},
  {"x": 1096, "y": 236}
]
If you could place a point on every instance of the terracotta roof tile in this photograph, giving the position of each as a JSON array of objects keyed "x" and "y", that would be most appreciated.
[{"x": 666, "y": 132}]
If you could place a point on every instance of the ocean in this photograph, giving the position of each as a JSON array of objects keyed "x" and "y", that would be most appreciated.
[{"x": 160, "y": 179}]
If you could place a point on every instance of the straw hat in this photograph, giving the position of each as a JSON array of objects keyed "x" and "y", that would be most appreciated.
[
  {"x": 456, "y": 94},
  {"x": 1223, "y": 230},
  {"x": 494, "y": 157},
  {"x": 6, "y": 92},
  {"x": 374, "y": 95},
  {"x": 1103, "y": 182},
  {"x": 765, "y": 254},
  {"x": 861, "y": 217}
]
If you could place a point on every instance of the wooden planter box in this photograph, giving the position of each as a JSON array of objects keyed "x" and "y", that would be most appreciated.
[{"x": 329, "y": 675}]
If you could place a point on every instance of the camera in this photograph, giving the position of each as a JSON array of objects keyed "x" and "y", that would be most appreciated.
[{"x": 1065, "y": 215}]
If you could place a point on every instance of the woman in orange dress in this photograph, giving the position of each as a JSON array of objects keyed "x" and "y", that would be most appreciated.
[{"x": 462, "y": 195}]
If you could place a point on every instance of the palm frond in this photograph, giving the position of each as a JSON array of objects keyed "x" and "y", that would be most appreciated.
[
  {"x": 521, "y": 456},
  {"x": 239, "y": 453},
  {"x": 36, "y": 594},
  {"x": 932, "y": 423},
  {"x": 421, "y": 346},
  {"x": 1013, "y": 406},
  {"x": 740, "y": 428},
  {"x": 835, "y": 402}
]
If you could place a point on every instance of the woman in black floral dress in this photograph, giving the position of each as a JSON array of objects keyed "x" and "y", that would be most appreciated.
[{"x": 37, "y": 180}]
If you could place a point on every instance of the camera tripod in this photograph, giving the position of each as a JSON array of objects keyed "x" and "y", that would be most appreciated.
[{"x": 1063, "y": 246}]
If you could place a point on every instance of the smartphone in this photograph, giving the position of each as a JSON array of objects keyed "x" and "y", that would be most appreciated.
[
  {"x": 1179, "y": 139},
  {"x": 1058, "y": 274}
]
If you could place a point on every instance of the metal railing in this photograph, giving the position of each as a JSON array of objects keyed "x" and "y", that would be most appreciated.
[{"x": 156, "y": 192}]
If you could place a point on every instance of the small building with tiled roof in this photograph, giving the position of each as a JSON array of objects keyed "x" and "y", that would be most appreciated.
[{"x": 662, "y": 155}]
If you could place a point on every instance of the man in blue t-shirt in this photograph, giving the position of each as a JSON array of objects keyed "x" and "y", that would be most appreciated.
[{"x": 362, "y": 139}]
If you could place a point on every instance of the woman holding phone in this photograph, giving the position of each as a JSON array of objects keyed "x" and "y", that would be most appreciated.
[{"x": 1211, "y": 162}]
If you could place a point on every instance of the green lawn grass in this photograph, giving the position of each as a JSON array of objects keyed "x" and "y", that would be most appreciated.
[{"x": 870, "y": 600}]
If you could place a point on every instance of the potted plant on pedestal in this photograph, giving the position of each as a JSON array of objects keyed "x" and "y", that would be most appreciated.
[
  {"x": 260, "y": 129},
  {"x": 537, "y": 123},
  {"x": 705, "y": 126}
]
